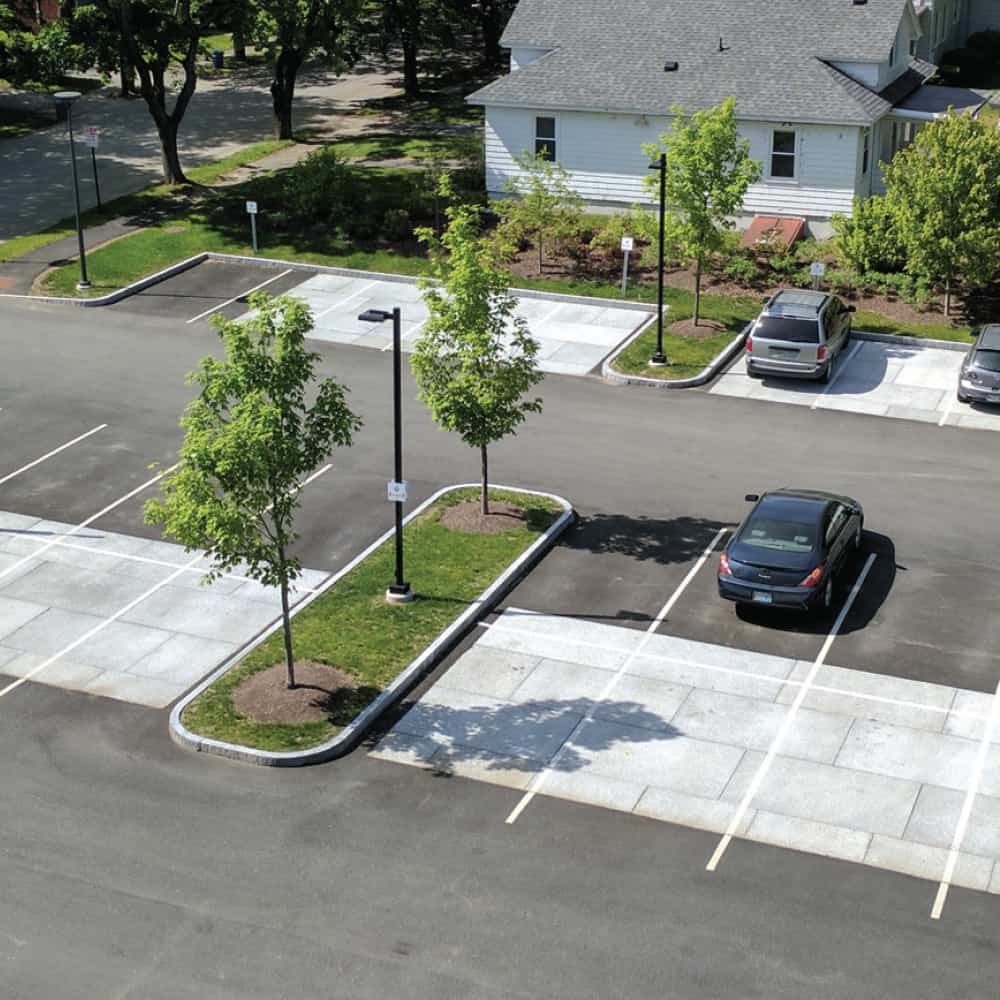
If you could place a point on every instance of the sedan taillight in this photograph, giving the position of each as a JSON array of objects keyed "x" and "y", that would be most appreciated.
[
  {"x": 724, "y": 569},
  {"x": 813, "y": 579}
]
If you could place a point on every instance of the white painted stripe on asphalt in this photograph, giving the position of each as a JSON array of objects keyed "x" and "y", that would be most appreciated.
[
  {"x": 840, "y": 371},
  {"x": 501, "y": 626},
  {"x": 350, "y": 298},
  {"x": 536, "y": 785},
  {"x": 100, "y": 626},
  {"x": 236, "y": 298},
  {"x": 947, "y": 410},
  {"x": 970, "y": 798},
  {"x": 786, "y": 725},
  {"x": 50, "y": 454},
  {"x": 90, "y": 520},
  {"x": 409, "y": 334}
]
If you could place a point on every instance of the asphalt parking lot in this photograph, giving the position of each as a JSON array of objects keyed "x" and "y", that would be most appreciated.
[
  {"x": 624, "y": 682},
  {"x": 877, "y": 379},
  {"x": 86, "y": 607},
  {"x": 574, "y": 336}
]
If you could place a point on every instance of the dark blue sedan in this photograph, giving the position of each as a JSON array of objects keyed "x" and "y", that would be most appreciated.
[{"x": 788, "y": 551}]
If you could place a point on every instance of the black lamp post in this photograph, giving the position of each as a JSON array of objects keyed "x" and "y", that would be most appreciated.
[
  {"x": 399, "y": 592},
  {"x": 64, "y": 102},
  {"x": 659, "y": 358}
]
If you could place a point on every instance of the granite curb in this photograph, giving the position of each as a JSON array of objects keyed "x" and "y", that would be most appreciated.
[
  {"x": 185, "y": 265},
  {"x": 350, "y": 735},
  {"x": 892, "y": 338},
  {"x": 709, "y": 372}
]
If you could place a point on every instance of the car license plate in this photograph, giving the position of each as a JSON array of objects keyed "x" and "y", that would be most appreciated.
[
  {"x": 762, "y": 597},
  {"x": 782, "y": 352}
]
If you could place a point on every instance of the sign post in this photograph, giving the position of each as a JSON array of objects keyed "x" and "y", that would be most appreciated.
[
  {"x": 628, "y": 245},
  {"x": 817, "y": 269},
  {"x": 252, "y": 212},
  {"x": 90, "y": 136}
]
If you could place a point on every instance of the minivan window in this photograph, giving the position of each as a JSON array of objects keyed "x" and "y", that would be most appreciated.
[
  {"x": 796, "y": 331},
  {"x": 987, "y": 360}
]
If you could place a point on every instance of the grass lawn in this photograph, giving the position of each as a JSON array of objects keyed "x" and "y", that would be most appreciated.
[
  {"x": 353, "y": 628},
  {"x": 387, "y": 146},
  {"x": 133, "y": 204}
]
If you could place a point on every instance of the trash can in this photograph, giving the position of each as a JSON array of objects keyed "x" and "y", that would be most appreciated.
[{"x": 217, "y": 57}]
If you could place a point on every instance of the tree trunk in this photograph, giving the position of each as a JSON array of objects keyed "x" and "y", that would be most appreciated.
[
  {"x": 239, "y": 46},
  {"x": 411, "y": 82},
  {"x": 539, "y": 253},
  {"x": 697, "y": 290},
  {"x": 947, "y": 298},
  {"x": 492, "y": 31},
  {"x": 286, "y": 68},
  {"x": 173, "y": 172},
  {"x": 127, "y": 73},
  {"x": 286, "y": 622},
  {"x": 485, "y": 467}
]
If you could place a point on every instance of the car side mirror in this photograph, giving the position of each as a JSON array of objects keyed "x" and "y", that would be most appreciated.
[
  {"x": 767, "y": 300},
  {"x": 852, "y": 309},
  {"x": 752, "y": 497}
]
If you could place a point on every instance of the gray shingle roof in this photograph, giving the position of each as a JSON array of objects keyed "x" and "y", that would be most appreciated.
[{"x": 609, "y": 56}]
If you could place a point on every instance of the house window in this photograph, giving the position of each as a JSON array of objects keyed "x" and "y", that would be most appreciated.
[
  {"x": 783, "y": 153},
  {"x": 892, "y": 56},
  {"x": 545, "y": 138},
  {"x": 913, "y": 46},
  {"x": 865, "y": 150}
]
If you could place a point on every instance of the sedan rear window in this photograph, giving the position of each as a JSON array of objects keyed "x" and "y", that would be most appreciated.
[
  {"x": 794, "y": 331},
  {"x": 987, "y": 360},
  {"x": 771, "y": 533}
]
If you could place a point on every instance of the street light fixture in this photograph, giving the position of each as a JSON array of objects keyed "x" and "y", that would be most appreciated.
[
  {"x": 659, "y": 358},
  {"x": 399, "y": 592},
  {"x": 64, "y": 103}
]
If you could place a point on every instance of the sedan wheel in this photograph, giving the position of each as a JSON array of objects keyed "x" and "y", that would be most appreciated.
[{"x": 857, "y": 538}]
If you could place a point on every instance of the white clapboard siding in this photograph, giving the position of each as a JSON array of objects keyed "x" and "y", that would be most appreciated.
[{"x": 603, "y": 154}]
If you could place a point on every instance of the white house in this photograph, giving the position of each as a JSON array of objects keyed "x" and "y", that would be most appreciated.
[{"x": 824, "y": 90}]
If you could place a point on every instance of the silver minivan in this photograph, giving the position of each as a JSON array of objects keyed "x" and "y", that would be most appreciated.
[
  {"x": 979, "y": 379},
  {"x": 798, "y": 334}
]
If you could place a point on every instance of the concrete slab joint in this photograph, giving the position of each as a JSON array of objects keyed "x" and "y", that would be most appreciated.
[{"x": 351, "y": 734}]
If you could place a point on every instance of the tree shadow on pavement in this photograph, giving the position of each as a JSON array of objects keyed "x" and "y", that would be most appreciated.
[
  {"x": 526, "y": 736},
  {"x": 662, "y": 540}
]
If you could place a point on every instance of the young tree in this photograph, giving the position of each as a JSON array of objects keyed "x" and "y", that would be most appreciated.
[
  {"x": 475, "y": 359},
  {"x": 290, "y": 31},
  {"x": 542, "y": 204},
  {"x": 250, "y": 438},
  {"x": 708, "y": 172},
  {"x": 943, "y": 195}
]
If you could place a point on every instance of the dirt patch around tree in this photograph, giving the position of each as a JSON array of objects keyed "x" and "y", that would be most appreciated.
[
  {"x": 705, "y": 329},
  {"x": 318, "y": 694},
  {"x": 468, "y": 516}
]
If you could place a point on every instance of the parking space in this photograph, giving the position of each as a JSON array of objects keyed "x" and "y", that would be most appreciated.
[
  {"x": 876, "y": 379},
  {"x": 763, "y": 726},
  {"x": 114, "y": 613}
]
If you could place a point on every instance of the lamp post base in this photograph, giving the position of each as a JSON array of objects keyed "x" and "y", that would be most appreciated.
[
  {"x": 659, "y": 360},
  {"x": 81, "y": 285},
  {"x": 399, "y": 594}
]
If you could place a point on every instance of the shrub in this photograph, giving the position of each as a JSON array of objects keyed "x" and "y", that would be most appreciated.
[
  {"x": 637, "y": 222},
  {"x": 396, "y": 224},
  {"x": 742, "y": 268},
  {"x": 321, "y": 187},
  {"x": 868, "y": 240},
  {"x": 842, "y": 280}
]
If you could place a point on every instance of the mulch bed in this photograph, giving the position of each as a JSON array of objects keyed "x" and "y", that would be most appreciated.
[
  {"x": 468, "y": 516},
  {"x": 318, "y": 692},
  {"x": 705, "y": 329}
]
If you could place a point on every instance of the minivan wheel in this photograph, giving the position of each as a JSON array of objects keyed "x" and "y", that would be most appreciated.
[
  {"x": 824, "y": 375},
  {"x": 962, "y": 398},
  {"x": 828, "y": 593}
]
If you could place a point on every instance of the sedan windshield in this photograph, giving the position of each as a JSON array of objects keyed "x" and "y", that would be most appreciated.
[
  {"x": 773, "y": 533},
  {"x": 987, "y": 360},
  {"x": 795, "y": 331}
]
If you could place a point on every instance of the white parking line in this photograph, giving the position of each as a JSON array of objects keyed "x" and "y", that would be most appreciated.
[
  {"x": 409, "y": 335},
  {"x": 90, "y": 520},
  {"x": 55, "y": 451},
  {"x": 535, "y": 787},
  {"x": 236, "y": 298},
  {"x": 786, "y": 725},
  {"x": 947, "y": 410},
  {"x": 970, "y": 798},
  {"x": 350, "y": 298},
  {"x": 840, "y": 370},
  {"x": 100, "y": 626}
]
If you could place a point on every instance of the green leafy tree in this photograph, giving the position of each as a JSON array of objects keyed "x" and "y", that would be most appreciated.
[
  {"x": 250, "y": 438},
  {"x": 708, "y": 172},
  {"x": 866, "y": 240},
  {"x": 488, "y": 18},
  {"x": 475, "y": 360},
  {"x": 412, "y": 25},
  {"x": 289, "y": 32},
  {"x": 542, "y": 206},
  {"x": 943, "y": 196}
]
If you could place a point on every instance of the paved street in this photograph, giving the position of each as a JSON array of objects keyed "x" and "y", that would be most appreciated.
[
  {"x": 133, "y": 868},
  {"x": 224, "y": 115}
]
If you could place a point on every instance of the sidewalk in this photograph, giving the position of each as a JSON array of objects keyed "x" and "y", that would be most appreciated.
[{"x": 224, "y": 116}]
